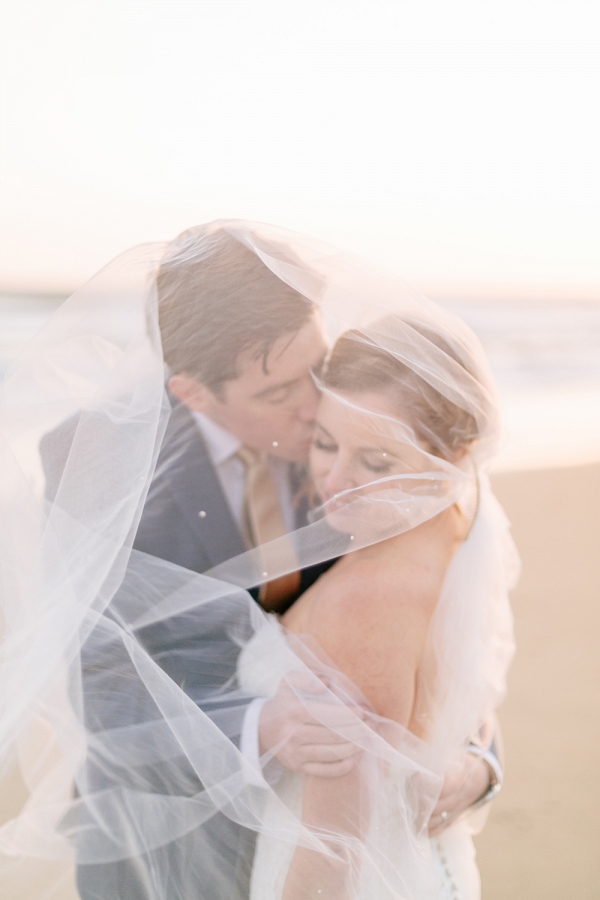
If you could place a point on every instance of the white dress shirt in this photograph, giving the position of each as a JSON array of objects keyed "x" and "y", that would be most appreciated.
[{"x": 222, "y": 447}]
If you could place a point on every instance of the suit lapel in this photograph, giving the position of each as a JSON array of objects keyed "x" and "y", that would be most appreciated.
[{"x": 195, "y": 486}]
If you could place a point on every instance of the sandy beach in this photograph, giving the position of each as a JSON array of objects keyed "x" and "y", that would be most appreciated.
[
  {"x": 543, "y": 834},
  {"x": 541, "y": 840}
]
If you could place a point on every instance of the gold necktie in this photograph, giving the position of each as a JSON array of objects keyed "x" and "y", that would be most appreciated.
[{"x": 263, "y": 522}]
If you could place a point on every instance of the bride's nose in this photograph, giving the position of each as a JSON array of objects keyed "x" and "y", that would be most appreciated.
[{"x": 340, "y": 477}]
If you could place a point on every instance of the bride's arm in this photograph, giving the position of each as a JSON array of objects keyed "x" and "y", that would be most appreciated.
[
  {"x": 372, "y": 623},
  {"x": 373, "y": 629},
  {"x": 336, "y": 811}
]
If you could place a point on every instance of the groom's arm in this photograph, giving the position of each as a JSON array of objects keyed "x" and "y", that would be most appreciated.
[{"x": 473, "y": 784}]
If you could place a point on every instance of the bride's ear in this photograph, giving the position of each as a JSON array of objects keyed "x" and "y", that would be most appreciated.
[
  {"x": 192, "y": 393},
  {"x": 462, "y": 458}
]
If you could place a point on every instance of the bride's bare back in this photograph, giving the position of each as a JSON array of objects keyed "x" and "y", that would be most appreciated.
[{"x": 370, "y": 612}]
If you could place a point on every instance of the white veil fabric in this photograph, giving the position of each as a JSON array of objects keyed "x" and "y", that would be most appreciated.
[{"x": 122, "y": 684}]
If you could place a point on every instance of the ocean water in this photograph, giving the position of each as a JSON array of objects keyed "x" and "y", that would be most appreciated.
[{"x": 546, "y": 359}]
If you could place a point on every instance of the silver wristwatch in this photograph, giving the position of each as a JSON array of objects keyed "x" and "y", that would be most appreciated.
[{"x": 495, "y": 770}]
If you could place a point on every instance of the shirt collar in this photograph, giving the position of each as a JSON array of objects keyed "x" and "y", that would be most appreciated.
[{"x": 220, "y": 443}]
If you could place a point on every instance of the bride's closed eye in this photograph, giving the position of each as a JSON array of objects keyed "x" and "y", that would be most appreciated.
[
  {"x": 327, "y": 447},
  {"x": 377, "y": 468}
]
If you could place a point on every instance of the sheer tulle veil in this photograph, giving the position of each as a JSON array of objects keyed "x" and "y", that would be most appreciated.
[{"x": 121, "y": 759}]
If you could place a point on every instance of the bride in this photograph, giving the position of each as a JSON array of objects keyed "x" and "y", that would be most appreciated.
[
  {"x": 379, "y": 425},
  {"x": 126, "y": 677}
]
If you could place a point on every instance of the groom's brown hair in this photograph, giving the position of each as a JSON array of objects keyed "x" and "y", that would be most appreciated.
[{"x": 217, "y": 300}]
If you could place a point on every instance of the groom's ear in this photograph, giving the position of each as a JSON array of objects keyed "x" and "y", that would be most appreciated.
[{"x": 192, "y": 393}]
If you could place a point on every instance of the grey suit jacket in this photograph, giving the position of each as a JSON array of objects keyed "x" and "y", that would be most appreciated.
[{"x": 170, "y": 528}]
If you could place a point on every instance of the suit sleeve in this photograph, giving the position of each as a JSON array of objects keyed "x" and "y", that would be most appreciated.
[{"x": 199, "y": 650}]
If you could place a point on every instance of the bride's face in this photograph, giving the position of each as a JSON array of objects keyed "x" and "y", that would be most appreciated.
[{"x": 360, "y": 444}]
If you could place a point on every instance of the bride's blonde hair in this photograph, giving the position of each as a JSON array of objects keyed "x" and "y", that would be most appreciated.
[{"x": 357, "y": 364}]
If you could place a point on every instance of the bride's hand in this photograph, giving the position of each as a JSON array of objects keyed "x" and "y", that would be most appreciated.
[
  {"x": 291, "y": 729},
  {"x": 462, "y": 787}
]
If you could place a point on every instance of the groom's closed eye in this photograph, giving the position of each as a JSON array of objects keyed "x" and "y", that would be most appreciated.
[{"x": 279, "y": 393}]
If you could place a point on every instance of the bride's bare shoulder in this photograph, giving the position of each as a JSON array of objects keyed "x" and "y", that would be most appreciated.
[
  {"x": 374, "y": 589},
  {"x": 384, "y": 582},
  {"x": 371, "y": 611}
]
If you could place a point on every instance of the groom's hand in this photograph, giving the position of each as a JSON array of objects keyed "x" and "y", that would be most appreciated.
[
  {"x": 291, "y": 729},
  {"x": 463, "y": 786}
]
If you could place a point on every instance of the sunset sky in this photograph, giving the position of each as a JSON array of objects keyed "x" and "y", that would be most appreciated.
[{"x": 457, "y": 143}]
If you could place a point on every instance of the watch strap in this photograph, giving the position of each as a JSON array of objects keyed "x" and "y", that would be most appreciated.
[{"x": 495, "y": 770}]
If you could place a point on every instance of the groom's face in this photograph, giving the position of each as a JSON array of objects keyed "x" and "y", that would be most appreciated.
[{"x": 272, "y": 405}]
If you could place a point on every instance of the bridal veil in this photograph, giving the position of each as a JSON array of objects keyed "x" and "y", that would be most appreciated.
[{"x": 120, "y": 685}]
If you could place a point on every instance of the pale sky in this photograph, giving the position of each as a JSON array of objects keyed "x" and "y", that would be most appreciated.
[{"x": 458, "y": 143}]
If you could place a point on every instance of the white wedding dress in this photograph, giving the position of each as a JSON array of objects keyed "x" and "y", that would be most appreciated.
[{"x": 262, "y": 664}]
